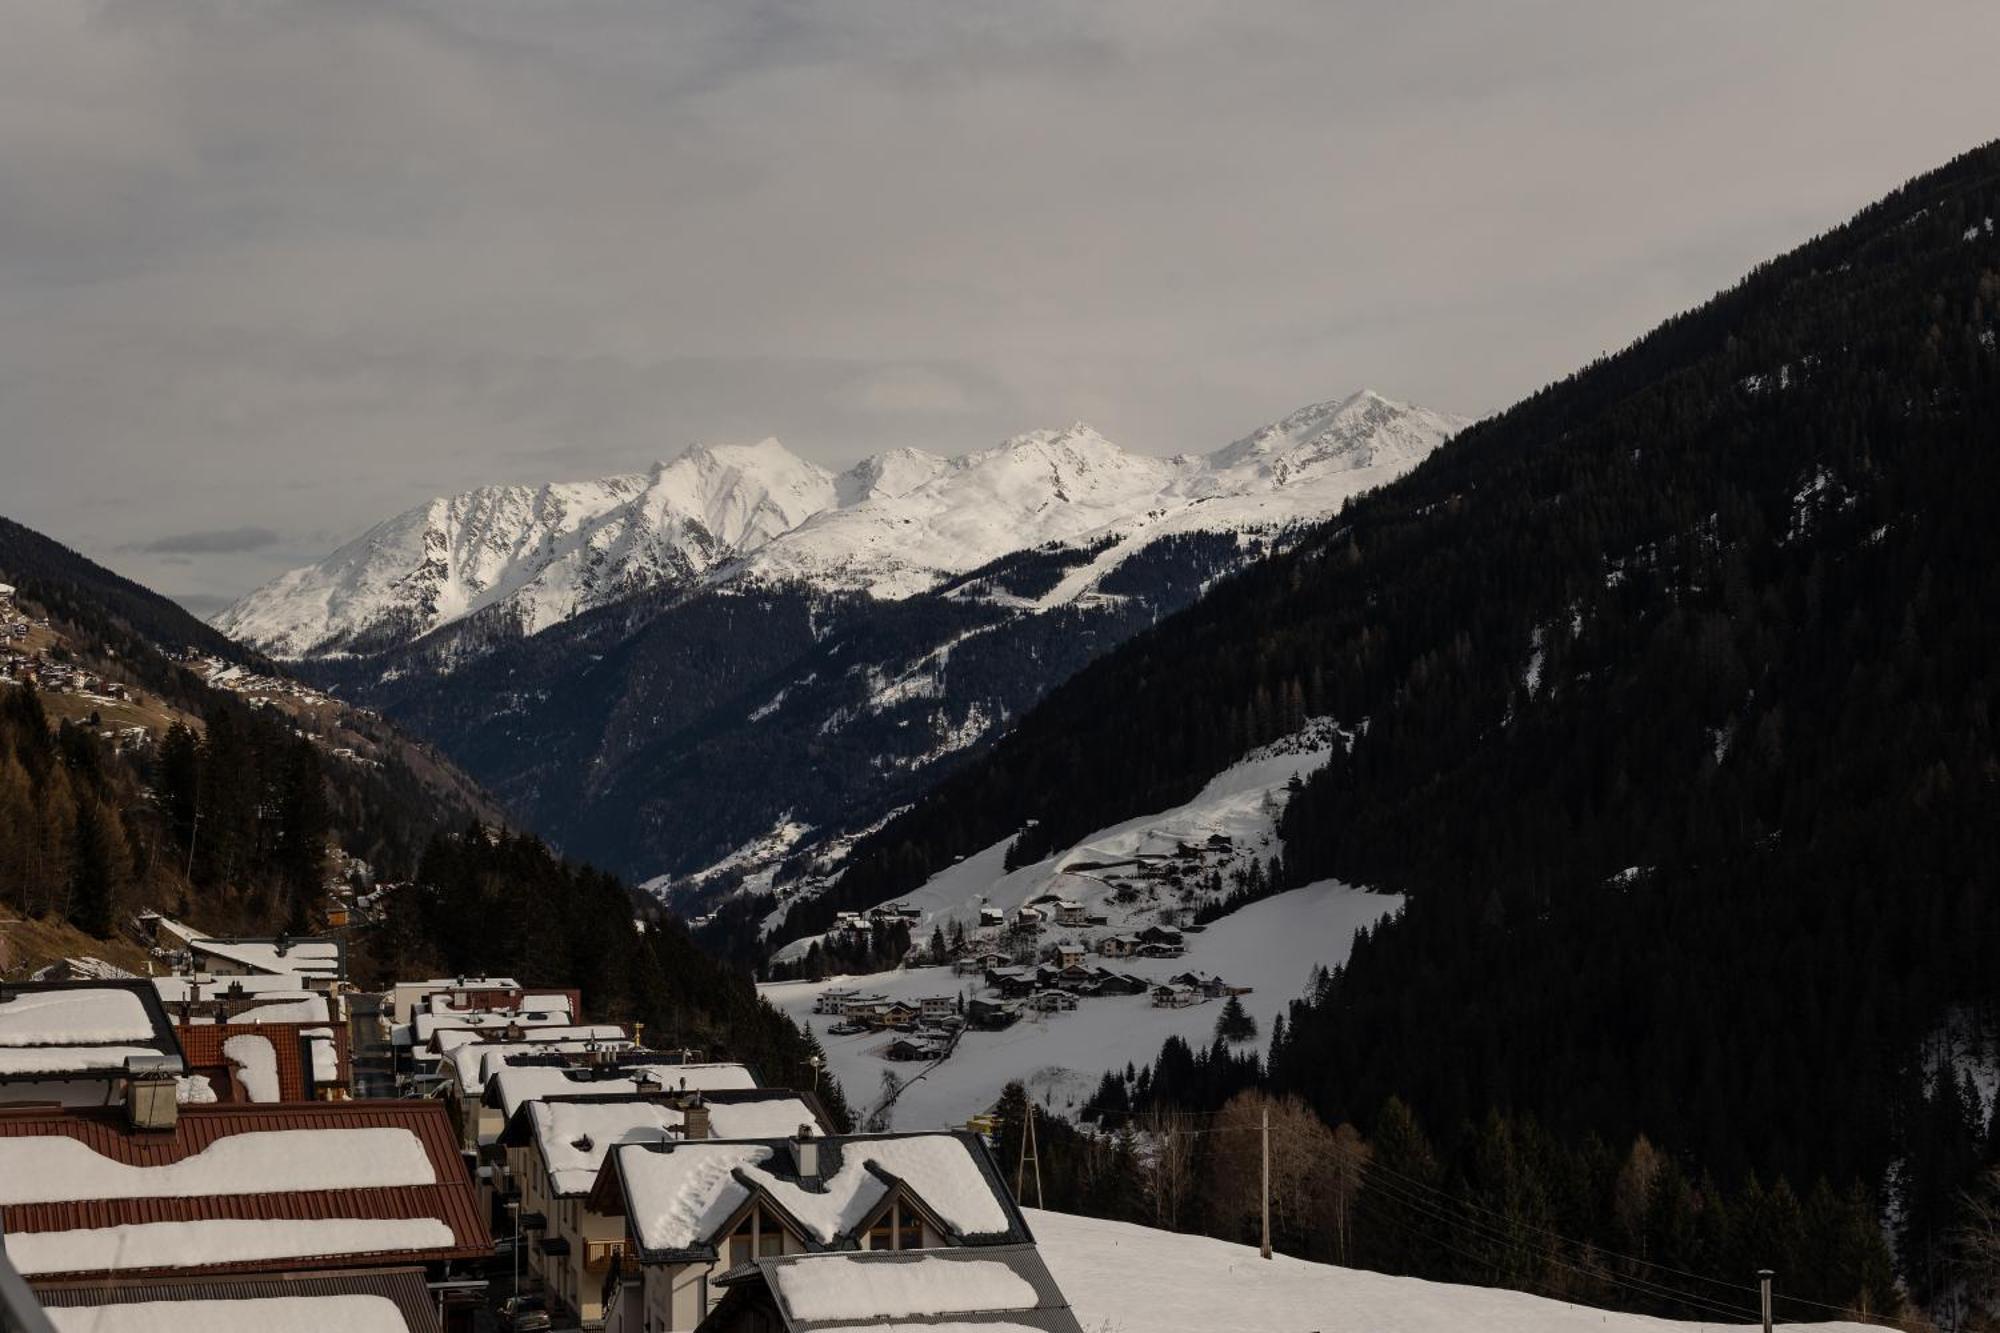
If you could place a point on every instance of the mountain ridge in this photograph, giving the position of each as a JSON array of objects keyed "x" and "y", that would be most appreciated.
[{"x": 895, "y": 524}]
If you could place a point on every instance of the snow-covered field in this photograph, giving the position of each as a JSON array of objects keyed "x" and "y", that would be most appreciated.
[
  {"x": 1272, "y": 945},
  {"x": 1121, "y": 1278}
]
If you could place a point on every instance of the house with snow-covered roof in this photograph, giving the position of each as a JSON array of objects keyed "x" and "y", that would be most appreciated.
[
  {"x": 548, "y": 1158},
  {"x": 530, "y": 1078},
  {"x": 207, "y": 1189},
  {"x": 80, "y": 1043},
  {"x": 998, "y": 1287},
  {"x": 313, "y": 962},
  {"x": 694, "y": 1211}
]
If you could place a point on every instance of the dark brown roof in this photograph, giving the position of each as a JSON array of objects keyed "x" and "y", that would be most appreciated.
[
  {"x": 201, "y": 1045},
  {"x": 451, "y": 1199},
  {"x": 403, "y": 1286}
]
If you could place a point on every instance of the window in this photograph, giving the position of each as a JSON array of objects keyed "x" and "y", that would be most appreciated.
[
  {"x": 742, "y": 1241},
  {"x": 910, "y": 1228},
  {"x": 771, "y": 1242},
  {"x": 598, "y": 1254}
]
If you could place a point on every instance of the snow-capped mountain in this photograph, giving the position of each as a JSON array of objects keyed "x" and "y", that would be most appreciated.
[
  {"x": 896, "y": 525},
  {"x": 540, "y": 553}
]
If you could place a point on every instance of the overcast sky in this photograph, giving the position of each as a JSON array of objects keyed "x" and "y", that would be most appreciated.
[{"x": 272, "y": 270}]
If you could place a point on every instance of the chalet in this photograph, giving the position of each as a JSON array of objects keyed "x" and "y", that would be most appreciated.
[
  {"x": 832, "y": 1000},
  {"x": 398, "y": 1300},
  {"x": 1012, "y": 983},
  {"x": 898, "y": 1014},
  {"x": 1028, "y": 918},
  {"x": 1071, "y": 913},
  {"x": 995, "y": 1286},
  {"x": 84, "y": 1043},
  {"x": 981, "y": 962},
  {"x": 315, "y": 963},
  {"x": 1209, "y": 986},
  {"x": 550, "y": 1153},
  {"x": 528, "y": 1078},
  {"x": 1175, "y": 997},
  {"x": 1118, "y": 946},
  {"x": 1119, "y": 983},
  {"x": 205, "y": 1191},
  {"x": 1068, "y": 953},
  {"x": 908, "y": 1048},
  {"x": 989, "y": 1016},
  {"x": 937, "y": 1008},
  {"x": 1162, "y": 942},
  {"x": 863, "y": 1008},
  {"x": 1076, "y": 979},
  {"x": 732, "y": 1202},
  {"x": 1052, "y": 1001},
  {"x": 992, "y": 917},
  {"x": 1161, "y": 950}
]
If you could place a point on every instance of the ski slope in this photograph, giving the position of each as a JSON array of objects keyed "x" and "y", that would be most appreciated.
[{"x": 1121, "y": 1278}]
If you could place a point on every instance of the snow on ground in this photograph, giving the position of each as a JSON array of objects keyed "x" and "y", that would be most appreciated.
[
  {"x": 1121, "y": 1278},
  {"x": 271, "y": 1314},
  {"x": 1272, "y": 945}
]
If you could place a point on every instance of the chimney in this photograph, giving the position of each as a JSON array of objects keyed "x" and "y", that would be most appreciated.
[
  {"x": 150, "y": 1093},
  {"x": 695, "y": 1122},
  {"x": 805, "y": 1151}
]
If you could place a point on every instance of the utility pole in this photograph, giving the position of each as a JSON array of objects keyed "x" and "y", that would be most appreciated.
[
  {"x": 1029, "y": 1150},
  {"x": 1265, "y": 1249},
  {"x": 1764, "y": 1282}
]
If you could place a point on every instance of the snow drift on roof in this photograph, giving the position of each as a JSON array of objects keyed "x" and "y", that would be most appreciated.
[
  {"x": 208, "y": 1241},
  {"x": 842, "y": 1287},
  {"x": 54, "y": 1168},
  {"x": 256, "y": 1065},
  {"x": 68, "y": 1059},
  {"x": 677, "y": 1198},
  {"x": 269, "y": 1314},
  {"x": 74, "y": 1017},
  {"x": 938, "y": 1167}
]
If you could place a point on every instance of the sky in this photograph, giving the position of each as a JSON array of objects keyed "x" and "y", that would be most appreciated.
[{"x": 274, "y": 270}]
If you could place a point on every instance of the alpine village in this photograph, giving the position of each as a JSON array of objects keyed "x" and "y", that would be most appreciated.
[{"x": 1388, "y": 869}]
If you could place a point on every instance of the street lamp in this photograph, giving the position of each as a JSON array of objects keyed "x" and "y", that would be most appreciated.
[
  {"x": 514, "y": 1210},
  {"x": 815, "y": 1063}
]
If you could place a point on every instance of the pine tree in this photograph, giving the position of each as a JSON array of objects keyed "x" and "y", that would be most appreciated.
[{"x": 1235, "y": 1024}]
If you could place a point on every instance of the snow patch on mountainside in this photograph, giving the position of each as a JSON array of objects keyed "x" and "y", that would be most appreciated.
[{"x": 891, "y": 527}]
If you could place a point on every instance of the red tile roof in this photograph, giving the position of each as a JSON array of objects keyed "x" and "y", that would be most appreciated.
[
  {"x": 452, "y": 1199},
  {"x": 201, "y": 1045}
]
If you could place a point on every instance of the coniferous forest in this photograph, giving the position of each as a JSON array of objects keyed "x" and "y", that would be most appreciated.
[{"x": 1676, "y": 690}]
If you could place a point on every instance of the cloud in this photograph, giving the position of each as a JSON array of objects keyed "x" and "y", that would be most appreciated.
[
  {"x": 218, "y": 541},
  {"x": 300, "y": 264}
]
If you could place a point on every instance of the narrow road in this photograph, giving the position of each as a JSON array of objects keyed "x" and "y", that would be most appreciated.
[{"x": 374, "y": 1075}]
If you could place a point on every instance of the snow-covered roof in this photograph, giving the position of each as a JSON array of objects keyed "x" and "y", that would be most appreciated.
[
  {"x": 676, "y": 1194},
  {"x": 55, "y": 1168},
  {"x": 85, "y": 1029},
  {"x": 199, "y": 1242},
  {"x": 275, "y": 956},
  {"x": 474, "y": 1061},
  {"x": 425, "y": 1025},
  {"x": 351, "y": 1313},
  {"x": 255, "y": 1061},
  {"x": 511, "y": 1085},
  {"x": 575, "y": 1136},
  {"x": 205, "y": 986},
  {"x": 984, "y": 1288},
  {"x": 73, "y": 1016}
]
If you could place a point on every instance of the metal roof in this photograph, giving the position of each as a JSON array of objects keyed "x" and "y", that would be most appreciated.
[
  {"x": 404, "y": 1287},
  {"x": 201, "y": 1046},
  {"x": 451, "y": 1199}
]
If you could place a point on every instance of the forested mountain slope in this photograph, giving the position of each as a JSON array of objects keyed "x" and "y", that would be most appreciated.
[
  {"x": 1677, "y": 688},
  {"x": 146, "y": 759}
]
